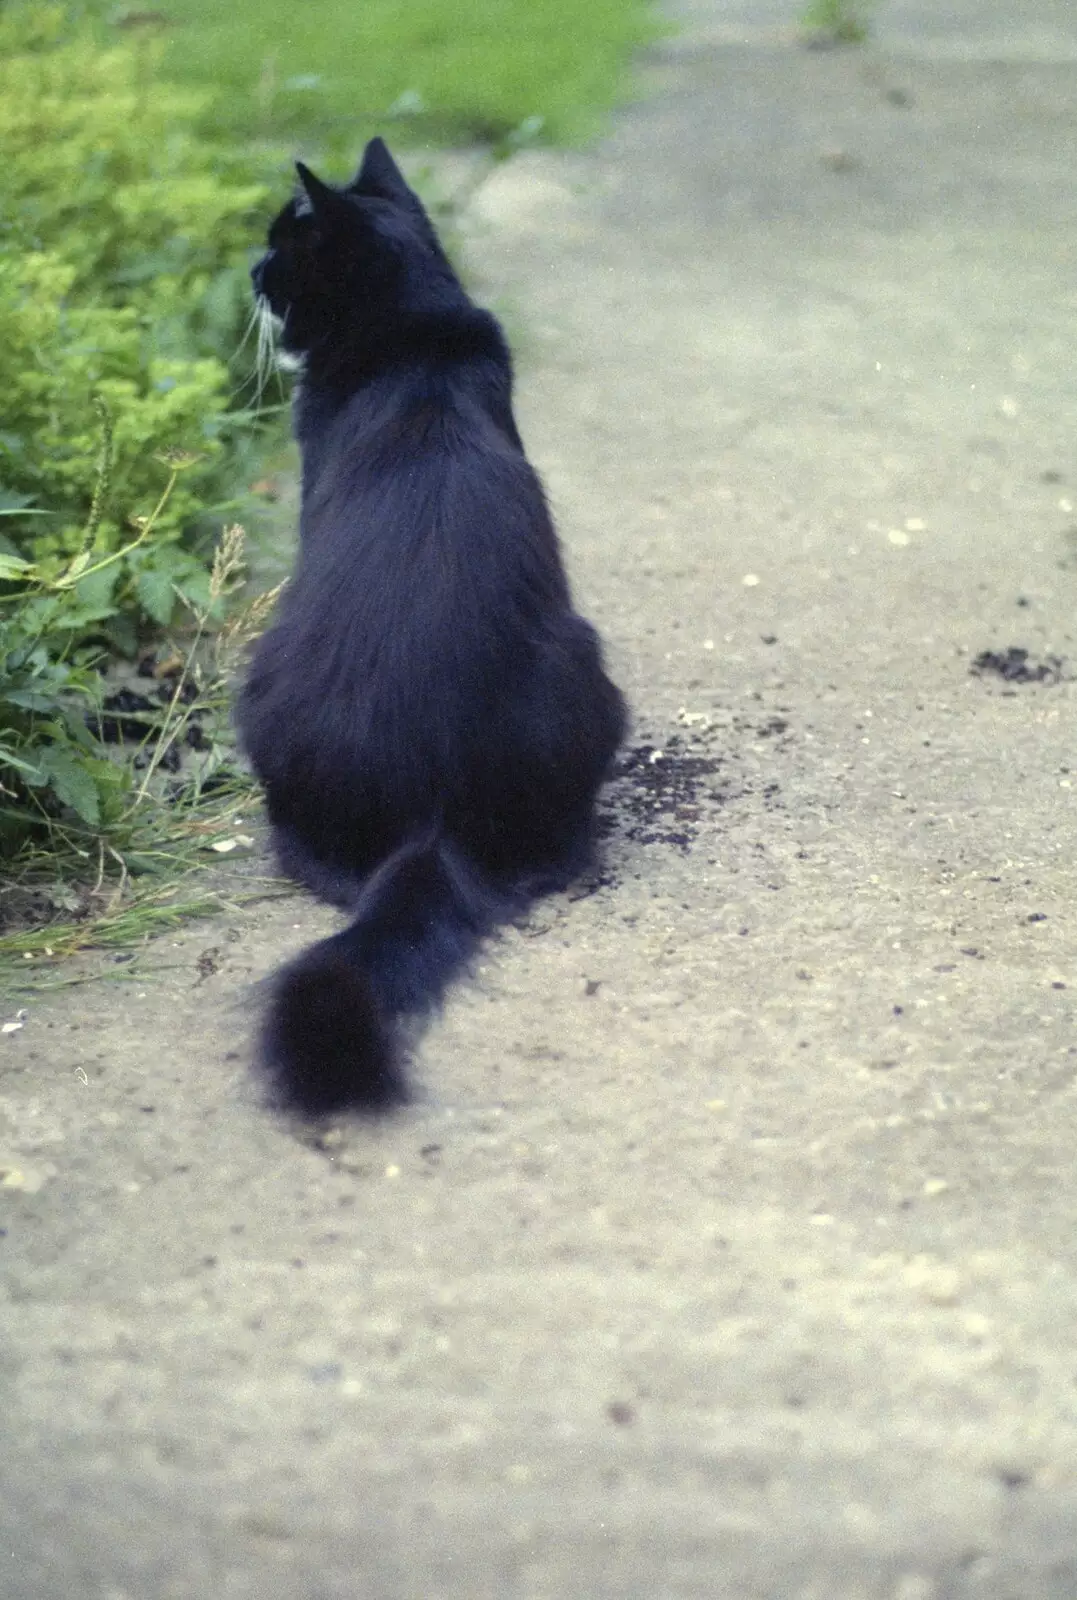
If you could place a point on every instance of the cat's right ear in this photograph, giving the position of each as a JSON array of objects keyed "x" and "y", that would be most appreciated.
[
  {"x": 379, "y": 175},
  {"x": 324, "y": 202}
]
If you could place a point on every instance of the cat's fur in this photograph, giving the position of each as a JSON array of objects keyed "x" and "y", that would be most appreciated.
[{"x": 429, "y": 717}]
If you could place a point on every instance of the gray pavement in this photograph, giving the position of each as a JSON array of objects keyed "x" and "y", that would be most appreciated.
[{"x": 731, "y": 1252}]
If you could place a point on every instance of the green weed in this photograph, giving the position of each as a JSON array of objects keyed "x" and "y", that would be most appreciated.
[
  {"x": 99, "y": 840},
  {"x": 837, "y": 21}
]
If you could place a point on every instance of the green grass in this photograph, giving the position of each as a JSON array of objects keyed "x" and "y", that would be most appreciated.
[{"x": 440, "y": 70}]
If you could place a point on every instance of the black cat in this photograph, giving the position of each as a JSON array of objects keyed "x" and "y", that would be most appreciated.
[{"x": 428, "y": 715}]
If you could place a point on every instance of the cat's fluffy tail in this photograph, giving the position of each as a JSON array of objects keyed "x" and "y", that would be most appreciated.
[{"x": 330, "y": 1041}]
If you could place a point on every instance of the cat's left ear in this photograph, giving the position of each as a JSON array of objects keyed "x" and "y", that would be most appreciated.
[
  {"x": 379, "y": 175},
  {"x": 325, "y": 202}
]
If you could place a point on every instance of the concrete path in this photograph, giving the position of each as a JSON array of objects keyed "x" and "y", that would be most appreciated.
[{"x": 732, "y": 1251}]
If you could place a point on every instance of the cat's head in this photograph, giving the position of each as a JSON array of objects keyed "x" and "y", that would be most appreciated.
[{"x": 345, "y": 262}]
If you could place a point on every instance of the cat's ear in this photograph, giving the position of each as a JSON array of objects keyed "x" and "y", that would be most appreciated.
[
  {"x": 379, "y": 175},
  {"x": 325, "y": 203}
]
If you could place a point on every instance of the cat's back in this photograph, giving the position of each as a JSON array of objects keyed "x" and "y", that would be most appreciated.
[
  {"x": 429, "y": 569},
  {"x": 422, "y": 469}
]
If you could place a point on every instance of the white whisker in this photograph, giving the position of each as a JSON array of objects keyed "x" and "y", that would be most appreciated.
[
  {"x": 267, "y": 329},
  {"x": 269, "y": 359},
  {"x": 248, "y": 330}
]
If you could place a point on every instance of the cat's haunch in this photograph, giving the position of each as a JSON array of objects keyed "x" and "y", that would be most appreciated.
[{"x": 429, "y": 717}]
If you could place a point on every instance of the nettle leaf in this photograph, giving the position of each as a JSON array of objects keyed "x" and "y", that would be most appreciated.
[
  {"x": 122, "y": 634},
  {"x": 30, "y": 700},
  {"x": 30, "y": 771},
  {"x": 193, "y": 588},
  {"x": 79, "y": 734},
  {"x": 12, "y": 567},
  {"x": 36, "y": 616},
  {"x": 73, "y": 783},
  {"x": 10, "y": 502},
  {"x": 156, "y": 594},
  {"x": 90, "y": 599}
]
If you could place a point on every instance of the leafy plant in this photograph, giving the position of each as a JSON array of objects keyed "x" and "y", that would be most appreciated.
[
  {"x": 50, "y": 761},
  {"x": 122, "y": 279},
  {"x": 124, "y": 238},
  {"x": 90, "y": 829},
  {"x": 59, "y": 361}
]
